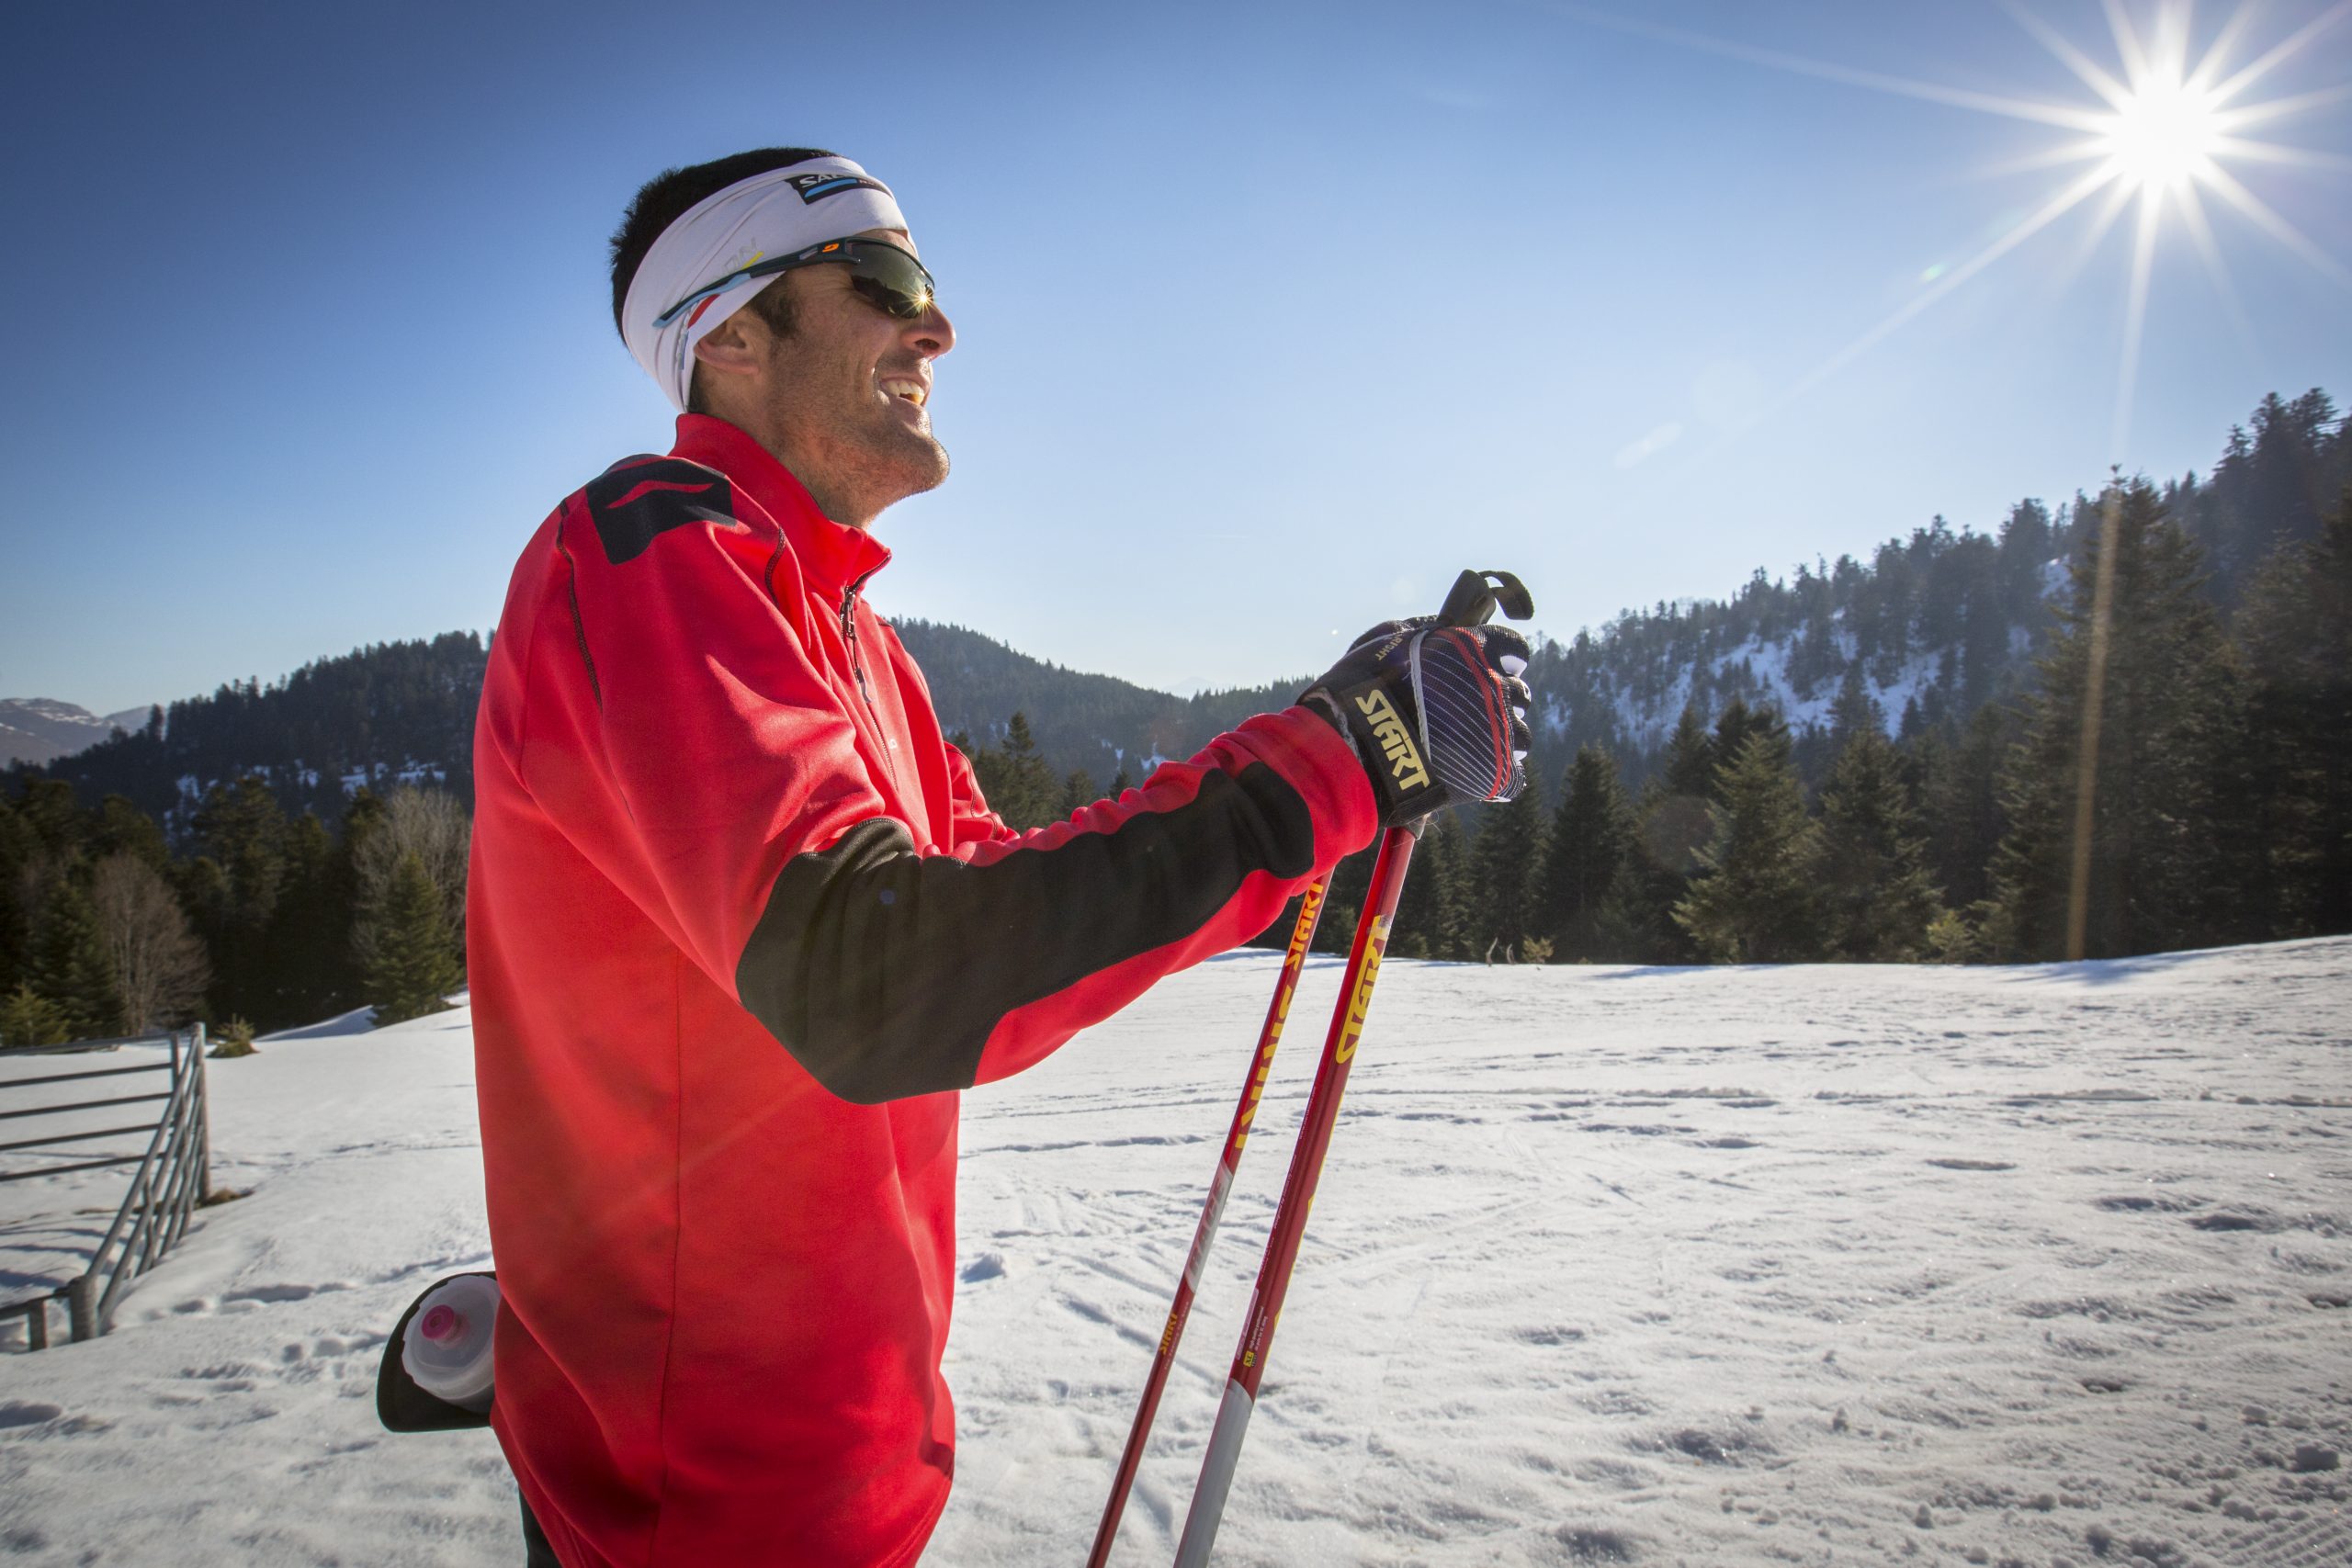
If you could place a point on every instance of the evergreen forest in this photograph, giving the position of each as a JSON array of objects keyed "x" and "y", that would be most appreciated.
[{"x": 2115, "y": 726}]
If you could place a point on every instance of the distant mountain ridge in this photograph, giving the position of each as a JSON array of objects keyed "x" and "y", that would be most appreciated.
[
  {"x": 1099, "y": 723},
  {"x": 1917, "y": 638},
  {"x": 40, "y": 729}
]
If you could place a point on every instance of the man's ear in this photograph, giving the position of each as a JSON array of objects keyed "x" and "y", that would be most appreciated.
[{"x": 737, "y": 346}]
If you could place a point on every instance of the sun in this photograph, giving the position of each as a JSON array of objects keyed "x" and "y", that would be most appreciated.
[
  {"x": 2163, "y": 135},
  {"x": 2162, "y": 131}
]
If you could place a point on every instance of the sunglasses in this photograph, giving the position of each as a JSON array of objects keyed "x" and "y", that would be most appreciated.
[{"x": 888, "y": 278}]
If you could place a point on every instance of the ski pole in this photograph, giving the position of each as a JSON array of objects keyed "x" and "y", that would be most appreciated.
[
  {"x": 1298, "y": 1194},
  {"x": 1310, "y": 910},
  {"x": 1473, "y": 600}
]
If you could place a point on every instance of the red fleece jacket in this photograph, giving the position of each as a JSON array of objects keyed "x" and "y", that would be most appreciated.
[{"x": 740, "y": 926}]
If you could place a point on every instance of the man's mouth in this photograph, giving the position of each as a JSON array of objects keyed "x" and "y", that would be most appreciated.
[{"x": 906, "y": 387}]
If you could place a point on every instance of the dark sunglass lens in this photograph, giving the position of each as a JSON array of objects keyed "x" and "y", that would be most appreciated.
[{"x": 892, "y": 280}]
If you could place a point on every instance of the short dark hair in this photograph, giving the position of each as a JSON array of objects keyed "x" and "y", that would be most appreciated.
[{"x": 663, "y": 200}]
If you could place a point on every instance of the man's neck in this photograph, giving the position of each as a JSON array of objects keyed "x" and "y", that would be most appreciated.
[{"x": 831, "y": 499}]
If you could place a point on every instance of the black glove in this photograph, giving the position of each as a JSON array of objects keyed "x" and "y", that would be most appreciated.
[{"x": 1437, "y": 713}]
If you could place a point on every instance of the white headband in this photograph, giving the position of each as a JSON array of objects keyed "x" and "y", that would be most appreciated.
[{"x": 768, "y": 215}]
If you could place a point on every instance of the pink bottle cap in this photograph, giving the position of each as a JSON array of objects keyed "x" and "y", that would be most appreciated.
[{"x": 441, "y": 1323}]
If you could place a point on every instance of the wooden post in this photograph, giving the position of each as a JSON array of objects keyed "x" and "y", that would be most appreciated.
[
  {"x": 203, "y": 1118},
  {"x": 36, "y": 1324},
  {"x": 81, "y": 1306}
]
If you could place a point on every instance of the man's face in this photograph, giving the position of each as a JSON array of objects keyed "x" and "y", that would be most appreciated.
[{"x": 845, "y": 404}]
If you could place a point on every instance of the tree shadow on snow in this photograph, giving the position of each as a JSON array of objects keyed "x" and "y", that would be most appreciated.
[{"x": 2104, "y": 971}]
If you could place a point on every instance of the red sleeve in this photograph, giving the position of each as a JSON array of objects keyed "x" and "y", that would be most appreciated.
[
  {"x": 969, "y": 820},
  {"x": 713, "y": 774}
]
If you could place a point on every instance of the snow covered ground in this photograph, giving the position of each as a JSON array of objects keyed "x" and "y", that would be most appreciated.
[{"x": 1609, "y": 1266}]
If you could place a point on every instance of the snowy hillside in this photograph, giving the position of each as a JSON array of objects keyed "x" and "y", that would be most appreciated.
[
  {"x": 1609, "y": 1266},
  {"x": 39, "y": 730}
]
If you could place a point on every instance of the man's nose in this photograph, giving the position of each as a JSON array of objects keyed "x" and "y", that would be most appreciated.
[{"x": 930, "y": 335}]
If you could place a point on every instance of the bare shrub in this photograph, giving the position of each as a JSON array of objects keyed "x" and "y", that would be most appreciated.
[
  {"x": 431, "y": 824},
  {"x": 160, "y": 965}
]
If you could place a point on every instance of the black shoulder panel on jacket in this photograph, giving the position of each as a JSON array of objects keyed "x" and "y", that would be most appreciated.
[
  {"x": 639, "y": 499},
  {"x": 884, "y": 972}
]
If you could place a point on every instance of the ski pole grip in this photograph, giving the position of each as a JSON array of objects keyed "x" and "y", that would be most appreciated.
[{"x": 1477, "y": 594}]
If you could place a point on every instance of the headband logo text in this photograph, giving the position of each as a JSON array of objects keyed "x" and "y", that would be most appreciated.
[{"x": 814, "y": 189}]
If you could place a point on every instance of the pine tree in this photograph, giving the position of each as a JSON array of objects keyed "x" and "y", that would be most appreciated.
[
  {"x": 1960, "y": 789},
  {"x": 71, "y": 966},
  {"x": 1636, "y": 923},
  {"x": 347, "y": 880},
  {"x": 2027, "y": 542},
  {"x": 1736, "y": 726},
  {"x": 309, "y": 937},
  {"x": 406, "y": 947},
  {"x": 1755, "y": 902},
  {"x": 242, "y": 834},
  {"x": 1018, "y": 783},
  {"x": 27, "y": 1017},
  {"x": 60, "y": 826},
  {"x": 1592, "y": 839},
  {"x": 2269, "y": 490},
  {"x": 1856, "y": 712},
  {"x": 1450, "y": 880},
  {"x": 1078, "y": 793},
  {"x": 1672, "y": 824},
  {"x": 1420, "y": 930},
  {"x": 1877, "y": 899},
  {"x": 120, "y": 827},
  {"x": 2296, "y": 629},
  {"x": 2158, "y": 854},
  {"x": 1689, "y": 758},
  {"x": 20, "y": 854},
  {"x": 1506, "y": 885}
]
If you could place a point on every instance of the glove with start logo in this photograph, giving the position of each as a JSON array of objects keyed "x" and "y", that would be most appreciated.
[{"x": 1437, "y": 713}]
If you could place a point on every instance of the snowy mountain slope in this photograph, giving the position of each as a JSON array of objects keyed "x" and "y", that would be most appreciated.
[
  {"x": 1608, "y": 1266},
  {"x": 40, "y": 729}
]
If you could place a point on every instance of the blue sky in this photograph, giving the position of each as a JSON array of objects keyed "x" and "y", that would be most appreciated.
[{"x": 1271, "y": 317}]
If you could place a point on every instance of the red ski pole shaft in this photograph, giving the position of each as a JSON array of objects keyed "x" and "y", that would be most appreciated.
[
  {"x": 1310, "y": 910},
  {"x": 1298, "y": 1195}
]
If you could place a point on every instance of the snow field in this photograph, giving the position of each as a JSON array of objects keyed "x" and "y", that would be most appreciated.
[
  {"x": 1812, "y": 1265},
  {"x": 1829, "y": 1264}
]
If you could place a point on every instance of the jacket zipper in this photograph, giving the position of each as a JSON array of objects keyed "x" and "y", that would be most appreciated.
[
  {"x": 857, "y": 668},
  {"x": 849, "y": 636}
]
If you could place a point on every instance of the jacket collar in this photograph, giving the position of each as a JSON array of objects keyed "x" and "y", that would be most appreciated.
[{"x": 833, "y": 555}]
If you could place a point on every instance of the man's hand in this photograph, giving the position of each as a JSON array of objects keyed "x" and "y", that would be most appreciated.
[{"x": 1437, "y": 713}]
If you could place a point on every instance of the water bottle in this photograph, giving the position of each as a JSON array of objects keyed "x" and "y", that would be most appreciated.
[{"x": 446, "y": 1349}]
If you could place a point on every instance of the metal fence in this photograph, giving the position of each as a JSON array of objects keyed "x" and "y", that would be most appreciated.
[{"x": 174, "y": 1174}]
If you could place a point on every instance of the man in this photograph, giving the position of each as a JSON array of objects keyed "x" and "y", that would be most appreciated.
[{"x": 741, "y": 924}]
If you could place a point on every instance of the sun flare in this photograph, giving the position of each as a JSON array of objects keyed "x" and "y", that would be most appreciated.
[
  {"x": 2165, "y": 130},
  {"x": 2163, "y": 135}
]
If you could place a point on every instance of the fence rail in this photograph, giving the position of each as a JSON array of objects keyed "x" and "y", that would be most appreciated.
[{"x": 175, "y": 1175}]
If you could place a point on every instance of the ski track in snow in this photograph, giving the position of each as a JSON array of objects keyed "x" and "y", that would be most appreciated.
[{"x": 1608, "y": 1266}]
